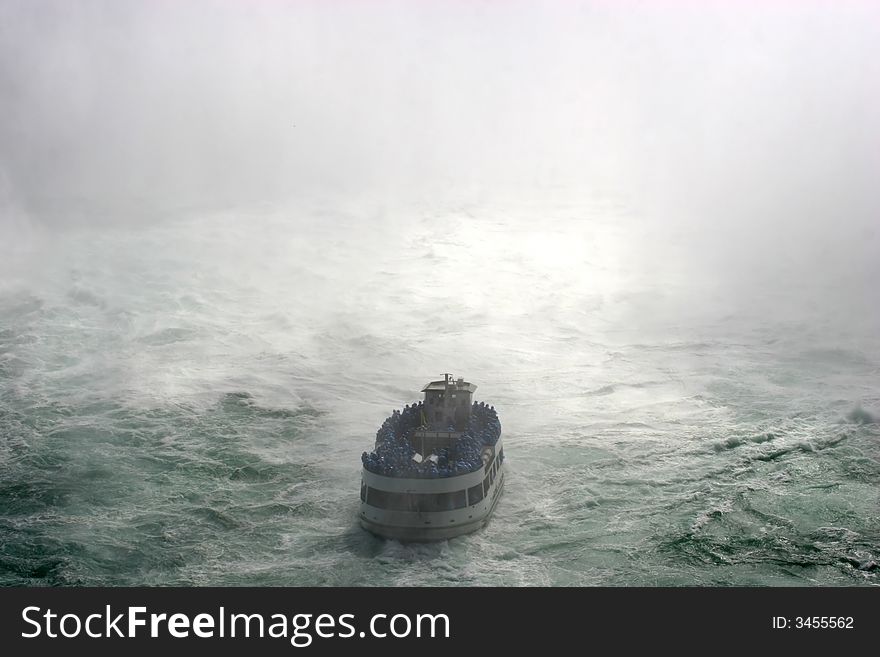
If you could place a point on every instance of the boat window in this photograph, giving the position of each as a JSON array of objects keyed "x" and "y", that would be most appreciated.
[
  {"x": 441, "y": 501},
  {"x": 475, "y": 494},
  {"x": 385, "y": 500},
  {"x": 486, "y": 485},
  {"x": 416, "y": 501},
  {"x": 363, "y": 491}
]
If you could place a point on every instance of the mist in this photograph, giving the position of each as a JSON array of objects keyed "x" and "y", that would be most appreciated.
[
  {"x": 147, "y": 100},
  {"x": 741, "y": 139}
]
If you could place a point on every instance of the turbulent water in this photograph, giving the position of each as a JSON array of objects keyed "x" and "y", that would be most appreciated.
[{"x": 185, "y": 400}]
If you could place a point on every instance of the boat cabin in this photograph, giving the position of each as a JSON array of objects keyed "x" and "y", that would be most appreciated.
[
  {"x": 447, "y": 409},
  {"x": 448, "y": 403}
]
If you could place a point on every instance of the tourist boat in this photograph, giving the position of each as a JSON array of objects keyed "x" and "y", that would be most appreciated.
[{"x": 436, "y": 470}]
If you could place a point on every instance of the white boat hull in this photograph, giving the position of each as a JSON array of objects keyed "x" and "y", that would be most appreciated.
[{"x": 396, "y": 508}]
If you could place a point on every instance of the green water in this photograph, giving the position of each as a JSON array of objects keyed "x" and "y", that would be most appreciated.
[{"x": 187, "y": 403}]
